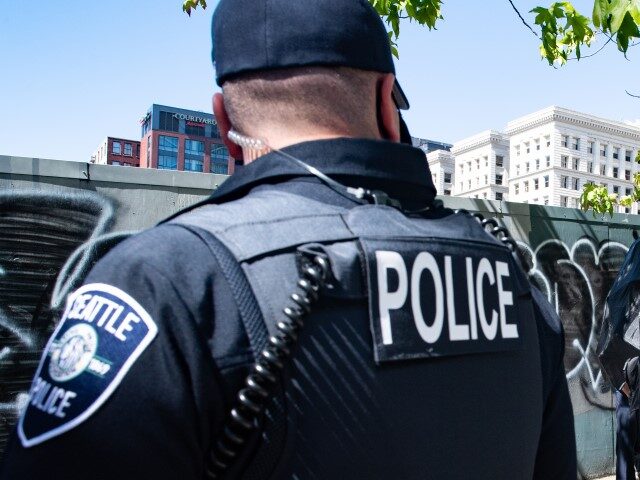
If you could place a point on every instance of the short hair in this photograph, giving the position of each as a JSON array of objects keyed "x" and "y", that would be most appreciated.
[{"x": 338, "y": 99}]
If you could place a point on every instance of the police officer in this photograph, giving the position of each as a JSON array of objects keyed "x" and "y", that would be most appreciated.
[{"x": 412, "y": 346}]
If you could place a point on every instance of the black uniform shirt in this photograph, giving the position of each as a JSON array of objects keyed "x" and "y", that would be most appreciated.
[{"x": 158, "y": 421}]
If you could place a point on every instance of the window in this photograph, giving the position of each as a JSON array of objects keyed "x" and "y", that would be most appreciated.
[
  {"x": 576, "y": 163},
  {"x": 627, "y": 174},
  {"x": 564, "y": 181},
  {"x": 169, "y": 144},
  {"x": 116, "y": 148},
  {"x": 517, "y": 150},
  {"x": 516, "y": 189},
  {"x": 627, "y": 155},
  {"x": 537, "y": 164},
  {"x": 527, "y": 167},
  {"x": 615, "y": 172},
  {"x": 193, "y": 155},
  {"x": 576, "y": 183},
  {"x": 517, "y": 170},
  {"x": 536, "y": 184},
  {"x": 194, "y": 129},
  {"x": 499, "y": 160},
  {"x": 546, "y": 200},
  {"x": 469, "y": 184},
  {"x": 486, "y": 161},
  {"x": 565, "y": 141},
  {"x": 499, "y": 179},
  {"x": 603, "y": 169},
  {"x": 138, "y": 150},
  {"x": 546, "y": 180},
  {"x": 477, "y": 164},
  {"x": 167, "y": 152},
  {"x": 548, "y": 161},
  {"x": 548, "y": 141},
  {"x": 447, "y": 192},
  {"x": 484, "y": 195},
  {"x": 564, "y": 201},
  {"x": 499, "y": 196},
  {"x": 627, "y": 191},
  {"x": 527, "y": 145},
  {"x": 537, "y": 144},
  {"x": 169, "y": 122},
  {"x": 590, "y": 147},
  {"x": 220, "y": 159},
  {"x": 616, "y": 189},
  {"x": 603, "y": 150},
  {"x": 526, "y": 186},
  {"x": 128, "y": 149},
  {"x": 575, "y": 144},
  {"x": 590, "y": 167},
  {"x": 486, "y": 179},
  {"x": 564, "y": 161},
  {"x": 616, "y": 153},
  {"x": 447, "y": 177}
]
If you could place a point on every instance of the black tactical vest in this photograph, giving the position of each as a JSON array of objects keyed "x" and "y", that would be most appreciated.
[{"x": 421, "y": 360}]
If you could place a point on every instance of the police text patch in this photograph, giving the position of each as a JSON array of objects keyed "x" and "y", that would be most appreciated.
[
  {"x": 431, "y": 298},
  {"x": 102, "y": 333}
]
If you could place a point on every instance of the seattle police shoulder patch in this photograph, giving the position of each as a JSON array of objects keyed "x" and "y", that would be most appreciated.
[{"x": 102, "y": 333}]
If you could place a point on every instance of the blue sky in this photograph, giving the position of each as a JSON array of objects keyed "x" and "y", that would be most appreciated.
[{"x": 76, "y": 71}]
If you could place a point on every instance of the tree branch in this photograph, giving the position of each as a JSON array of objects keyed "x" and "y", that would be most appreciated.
[
  {"x": 631, "y": 94},
  {"x": 523, "y": 20}
]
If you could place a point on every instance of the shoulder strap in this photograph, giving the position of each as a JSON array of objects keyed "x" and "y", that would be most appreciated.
[{"x": 247, "y": 304}]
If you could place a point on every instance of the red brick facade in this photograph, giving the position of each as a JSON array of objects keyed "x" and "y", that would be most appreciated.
[{"x": 124, "y": 157}]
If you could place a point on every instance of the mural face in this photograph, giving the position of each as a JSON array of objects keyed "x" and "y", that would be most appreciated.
[{"x": 576, "y": 279}]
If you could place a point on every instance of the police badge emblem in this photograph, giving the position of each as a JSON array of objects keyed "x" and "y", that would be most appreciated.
[{"x": 102, "y": 333}]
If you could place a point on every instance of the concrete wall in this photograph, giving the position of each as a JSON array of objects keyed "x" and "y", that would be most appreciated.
[{"x": 48, "y": 208}]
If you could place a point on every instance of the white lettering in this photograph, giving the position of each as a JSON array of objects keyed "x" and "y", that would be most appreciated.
[
  {"x": 68, "y": 395},
  {"x": 109, "y": 327},
  {"x": 387, "y": 260},
  {"x": 456, "y": 331},
  {"x": 505, "y": 298},
  {"x": 426, "y": 261},
  {"x": 472, "y": 299},
  {"x": 52, "y": 401},
  {"x": 489, "y": 329},
  {"x": 79, "y": 305},
  {"x": 125, "y": 326}
]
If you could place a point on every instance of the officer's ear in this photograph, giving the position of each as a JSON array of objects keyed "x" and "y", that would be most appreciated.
[
  {"x": 387, "y": 111},
  {"x": 224, "y": 125}
]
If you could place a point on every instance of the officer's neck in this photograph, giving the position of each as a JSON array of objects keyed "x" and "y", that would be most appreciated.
[{"x": 278, "y": 140}]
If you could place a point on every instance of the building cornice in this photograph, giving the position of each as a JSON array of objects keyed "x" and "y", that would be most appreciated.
[
  {"x": 570, "y": 117},
  {"x": 487, "y": 137}
]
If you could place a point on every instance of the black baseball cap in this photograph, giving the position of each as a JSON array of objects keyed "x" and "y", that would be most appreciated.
[{"x": 254, "y": 35}]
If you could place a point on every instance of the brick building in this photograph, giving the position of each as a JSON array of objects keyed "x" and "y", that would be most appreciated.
[
  {"x": 179, "y": 139},
  {"x": 117, "y": 151}
]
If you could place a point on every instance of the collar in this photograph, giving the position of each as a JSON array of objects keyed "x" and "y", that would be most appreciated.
[{"x": 401, "y": 171}]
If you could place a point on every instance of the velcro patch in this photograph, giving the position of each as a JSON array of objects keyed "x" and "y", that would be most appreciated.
[
  {"x": 432, "y": 298},
  {"x": 102, "y": 333}
]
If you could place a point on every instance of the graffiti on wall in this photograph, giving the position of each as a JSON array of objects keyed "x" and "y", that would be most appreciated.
[
  {"x": 576, "y": 279},
  {"x": 38, "y": 233}
]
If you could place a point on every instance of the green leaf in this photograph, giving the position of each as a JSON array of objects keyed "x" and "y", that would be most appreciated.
[
  {"x": 600, "y": 12},
  {"x": 618, "y": 10}
]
